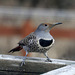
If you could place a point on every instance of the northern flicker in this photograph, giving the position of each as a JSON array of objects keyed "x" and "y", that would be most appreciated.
[{"x": 38, "y": 41}]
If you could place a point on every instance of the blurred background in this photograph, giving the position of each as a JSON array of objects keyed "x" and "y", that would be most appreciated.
[{"x": 18, "y": 18}]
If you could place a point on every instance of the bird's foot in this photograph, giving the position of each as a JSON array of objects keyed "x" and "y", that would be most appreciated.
[
  {"x": 48, "y": 60},
  {"x": 22, "y": 63}
]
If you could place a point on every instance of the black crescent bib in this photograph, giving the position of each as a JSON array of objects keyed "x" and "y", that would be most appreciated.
[{"x": 45, "y": 43}]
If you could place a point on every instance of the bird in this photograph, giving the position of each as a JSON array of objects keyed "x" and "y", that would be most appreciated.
[{"x": 38, "y": 41}]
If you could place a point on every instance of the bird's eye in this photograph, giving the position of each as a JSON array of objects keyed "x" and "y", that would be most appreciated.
[{"x": 45, "y": 24}]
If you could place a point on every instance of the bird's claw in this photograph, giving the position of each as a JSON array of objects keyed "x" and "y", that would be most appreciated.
[
  {"x": 48, "y": 60},
  {"x": 22, "y": 63}
]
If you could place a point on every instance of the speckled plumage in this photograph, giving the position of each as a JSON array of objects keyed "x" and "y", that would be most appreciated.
[
  {"x": 38, "y": 41},
  {"x": 32, "y": 42}
]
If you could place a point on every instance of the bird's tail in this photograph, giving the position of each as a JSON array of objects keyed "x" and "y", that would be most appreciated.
[{"x": 18, "y": 48}]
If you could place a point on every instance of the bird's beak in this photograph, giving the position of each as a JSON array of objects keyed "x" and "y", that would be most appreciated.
[
  {"x": 56, "y": 24},
  {"x": 52, "y": 25}
]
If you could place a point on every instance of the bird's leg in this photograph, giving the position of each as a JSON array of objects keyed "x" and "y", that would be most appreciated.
[
  {"x": 23, "y": 62},
  {"x": 48, "y": 59}
]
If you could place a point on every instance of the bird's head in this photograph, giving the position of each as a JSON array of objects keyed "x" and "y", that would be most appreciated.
[{"x": 47, "y": 26}]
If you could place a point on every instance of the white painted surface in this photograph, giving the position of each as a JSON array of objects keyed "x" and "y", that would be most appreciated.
[
  {"x": 12, "y": 63},
  {"x": 68, "y": 70}
]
